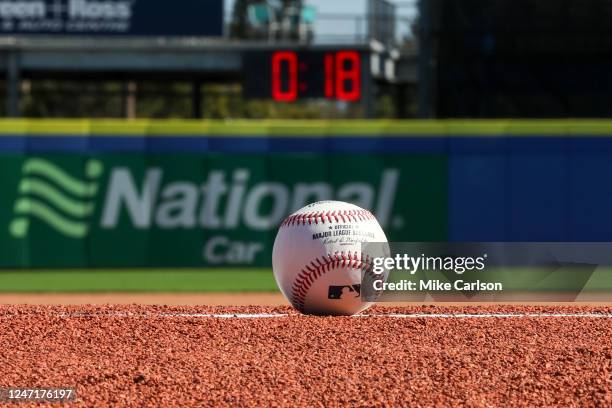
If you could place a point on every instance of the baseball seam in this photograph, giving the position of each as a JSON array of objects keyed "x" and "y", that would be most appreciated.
[
  {"x": 321, "y": 265},
  {"x": 327, "y": 216}
]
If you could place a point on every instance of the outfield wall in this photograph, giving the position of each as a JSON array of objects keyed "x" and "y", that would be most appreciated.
[{"x": 175, "y": 193}]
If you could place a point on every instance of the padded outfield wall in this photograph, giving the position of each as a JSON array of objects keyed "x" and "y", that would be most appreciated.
[{"x": 175, "y": 193}]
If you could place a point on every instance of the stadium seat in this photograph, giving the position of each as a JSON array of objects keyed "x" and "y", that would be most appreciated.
[
  {"x": 307, "y": 20},
  {"x": 262, "y": 21}
]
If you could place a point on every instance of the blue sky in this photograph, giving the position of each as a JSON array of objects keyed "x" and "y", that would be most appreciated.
[{"x": 346, "y": 28}]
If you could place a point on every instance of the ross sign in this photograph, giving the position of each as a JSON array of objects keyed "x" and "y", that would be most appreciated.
[
  {"x": 112, "y": 17},
  {"x": 287, "y": 76}
]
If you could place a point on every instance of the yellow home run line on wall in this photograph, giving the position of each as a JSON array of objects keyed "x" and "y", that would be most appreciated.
[{"x": 303, "y": 128}]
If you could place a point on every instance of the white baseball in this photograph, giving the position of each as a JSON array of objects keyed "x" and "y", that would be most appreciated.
[{"x": 317, "y": 256}]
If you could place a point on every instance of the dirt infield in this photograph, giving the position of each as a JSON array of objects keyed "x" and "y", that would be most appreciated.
[{"x": 416, "y": 356}]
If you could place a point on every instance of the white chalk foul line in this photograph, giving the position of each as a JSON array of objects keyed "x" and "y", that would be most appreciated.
[
  {"x": 494, "y": 315},
  {"x": 390, "y": 315},
  {"x": 405, "y": 316},
  {"x": 227, "y": 315},
  {"x": 186, "y": 315}
]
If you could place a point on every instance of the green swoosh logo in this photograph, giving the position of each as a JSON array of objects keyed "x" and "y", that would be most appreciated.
[
  {"x": 47, "y": 199},
  {"x": 55, "y": 197},
  {"x": 33, "y": 207},
  {"x": 49, "y": 170}
]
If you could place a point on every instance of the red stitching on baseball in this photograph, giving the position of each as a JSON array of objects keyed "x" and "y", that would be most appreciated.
[
  {"x": 327, "y": 217},
  {"x": 307, "y": 276}
]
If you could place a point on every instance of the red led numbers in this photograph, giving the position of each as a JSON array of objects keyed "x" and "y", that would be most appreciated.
[
  {"x": 348, "y": 76},
  {"x": 341, "y": 75},
  {"x": 284, "y": 62}
]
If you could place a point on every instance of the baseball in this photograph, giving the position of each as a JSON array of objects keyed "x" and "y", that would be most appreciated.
[{"x": 317, "y": 258}]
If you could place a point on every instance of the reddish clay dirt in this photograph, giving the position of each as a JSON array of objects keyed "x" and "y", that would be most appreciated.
[{"x": 150, "y": 356}]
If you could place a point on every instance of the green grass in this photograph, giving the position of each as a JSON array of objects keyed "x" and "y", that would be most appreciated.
[{"x": 134, "y": 280}]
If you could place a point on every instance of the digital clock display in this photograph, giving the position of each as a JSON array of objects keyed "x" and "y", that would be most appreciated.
[{"x": 287, "y": 76}]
